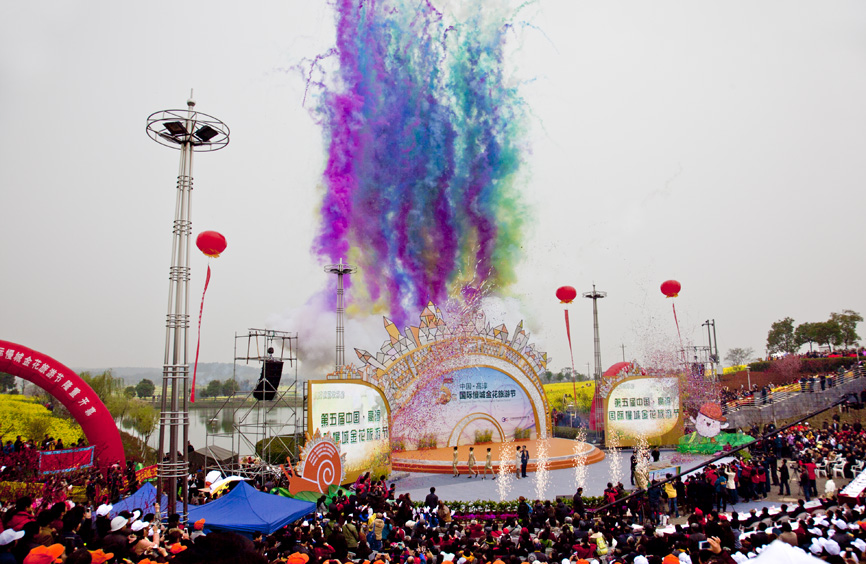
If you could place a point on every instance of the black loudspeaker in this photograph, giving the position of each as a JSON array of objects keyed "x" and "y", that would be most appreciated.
[{"x": 269, "y": 381}]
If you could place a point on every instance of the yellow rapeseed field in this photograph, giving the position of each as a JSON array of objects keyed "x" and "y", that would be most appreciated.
[
  {"x": 25, "y": 416},
  {"x": 556, "y": 394}
]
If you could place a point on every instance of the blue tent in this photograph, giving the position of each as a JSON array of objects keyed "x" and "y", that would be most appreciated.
[
  {"x": 143, "y": 499},
  {"x": 247, "y": 510}
]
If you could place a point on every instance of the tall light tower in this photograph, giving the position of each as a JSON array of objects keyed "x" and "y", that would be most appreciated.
[
  {"x": 188, "y": 131},
  {"x": 596, "y": 295},
  {"x": 340, "y": 269},
  {"x": 597, "y": 417}
]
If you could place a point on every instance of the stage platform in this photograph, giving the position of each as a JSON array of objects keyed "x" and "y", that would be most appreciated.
[{"x": 438, "y": 460}]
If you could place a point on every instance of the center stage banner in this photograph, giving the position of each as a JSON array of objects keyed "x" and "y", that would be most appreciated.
[{"x": 478, "y": 399}]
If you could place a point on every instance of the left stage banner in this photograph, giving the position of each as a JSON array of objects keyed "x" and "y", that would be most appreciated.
[{"x": 56, "y": 461}]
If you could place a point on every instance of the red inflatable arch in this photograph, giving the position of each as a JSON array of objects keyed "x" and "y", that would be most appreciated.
[{"x": 79, "y": 398}]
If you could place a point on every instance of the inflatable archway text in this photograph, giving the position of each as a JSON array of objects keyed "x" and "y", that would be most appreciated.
[{"x": 70, "y": 390}]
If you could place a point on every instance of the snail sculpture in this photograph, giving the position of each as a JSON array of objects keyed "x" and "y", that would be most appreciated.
[{"x": 321, "y": 466}]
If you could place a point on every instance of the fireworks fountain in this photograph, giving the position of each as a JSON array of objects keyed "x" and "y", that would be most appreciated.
[
  {"x": 642, "y": 453},
  {"x": 505, "y": 474},
  {"x": 580, "y": 459},
  {"x": 613, "y": 455},
  {"x": 542, "y": 473}
]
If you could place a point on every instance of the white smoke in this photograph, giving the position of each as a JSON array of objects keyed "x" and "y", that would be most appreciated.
[{"x": 316, "y": 324}]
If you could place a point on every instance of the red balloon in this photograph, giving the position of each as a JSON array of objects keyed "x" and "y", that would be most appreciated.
[
  {"x": 671, "y": 288},
  {"x": 566, "y": 294},
  {"x": 210, "y": 243}
]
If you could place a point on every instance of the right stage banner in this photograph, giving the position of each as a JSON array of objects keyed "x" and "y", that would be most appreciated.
[{"x": 644, "y": 406}]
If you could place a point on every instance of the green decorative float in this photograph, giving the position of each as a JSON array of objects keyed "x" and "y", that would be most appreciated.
[{"x": 708, "y": 438}]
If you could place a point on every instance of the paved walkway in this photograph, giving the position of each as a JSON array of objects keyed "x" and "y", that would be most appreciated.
[{"x": 561, "y": 482}]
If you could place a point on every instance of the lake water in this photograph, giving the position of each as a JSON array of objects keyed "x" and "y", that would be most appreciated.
[{"x": 251, "y": 421}]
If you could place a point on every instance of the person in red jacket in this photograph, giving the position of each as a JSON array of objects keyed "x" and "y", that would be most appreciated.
[{"x": 22, "y": 514}]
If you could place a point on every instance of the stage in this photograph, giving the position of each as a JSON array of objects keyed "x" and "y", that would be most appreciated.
[{"x": 438, "y": 460}]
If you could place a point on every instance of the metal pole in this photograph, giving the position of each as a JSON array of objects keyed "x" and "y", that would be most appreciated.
[
  {"x": 340, "y": 270},
  {"x": 188, "y": 131},
  {"x": 715, "y": 339},
  {"x": 595, "y": 296}
]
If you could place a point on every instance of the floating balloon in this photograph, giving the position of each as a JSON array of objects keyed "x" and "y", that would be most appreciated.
[
  {"x": 566, "y": 294},
  {"x": 210, "y": 243},
  {"x": 671, "y": 288}
]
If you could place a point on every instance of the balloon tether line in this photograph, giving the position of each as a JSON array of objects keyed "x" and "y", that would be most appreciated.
[{"x": 198, "y": 339}]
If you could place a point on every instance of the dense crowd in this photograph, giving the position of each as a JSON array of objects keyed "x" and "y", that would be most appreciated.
[{"x": 374, "y": 524}]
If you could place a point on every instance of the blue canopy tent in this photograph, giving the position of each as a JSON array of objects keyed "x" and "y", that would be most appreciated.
[
  {"x": 246, "y": 510},
  {"x": 143, "y": 499}
]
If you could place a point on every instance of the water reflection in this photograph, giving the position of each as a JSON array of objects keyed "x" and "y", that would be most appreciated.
[{"x": 222, "y": 426}]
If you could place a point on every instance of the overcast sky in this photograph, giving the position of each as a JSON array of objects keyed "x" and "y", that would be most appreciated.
[{"x": 718, "y": 143}]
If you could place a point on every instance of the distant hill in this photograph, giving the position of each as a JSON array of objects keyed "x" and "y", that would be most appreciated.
[{"x": 207, "y": 371}]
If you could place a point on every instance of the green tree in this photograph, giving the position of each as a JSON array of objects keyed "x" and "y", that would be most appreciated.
[
  {"x": 7, "y": 384},
  {"x": 229, "y": 387},
  {"x": 847, "y": 323},
  {"x": 806, "y": 333},
  {"x": 129, "y": 391},
  {"x": 144, "y": 419},
  {"x": 104, "y": 384},
  {"x": 827, "y": 333},
  {"x": 738, "y": 356},
  {"x": 145, "y": 388},
  {"x": 781, "y": 338},
  {"x": 214, "y": 388}
]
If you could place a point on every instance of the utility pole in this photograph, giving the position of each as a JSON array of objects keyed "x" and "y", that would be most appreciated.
[{"x": 713, "y": 347}]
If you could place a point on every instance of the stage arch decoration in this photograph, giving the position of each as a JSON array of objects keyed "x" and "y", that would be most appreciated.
[
  {"x": 448, "y": 386},
  {"x": 71, "y": 391}
]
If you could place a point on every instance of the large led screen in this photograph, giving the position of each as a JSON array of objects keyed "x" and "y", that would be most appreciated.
[
  {"x": 644, "y": 406},
  {"x": 356, "y": 415}
]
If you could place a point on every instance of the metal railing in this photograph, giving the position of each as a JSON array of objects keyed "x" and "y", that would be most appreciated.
[{"x": 809, "y": 385}]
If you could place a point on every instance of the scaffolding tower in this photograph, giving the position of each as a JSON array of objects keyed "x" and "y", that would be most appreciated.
[{"x": 255, "y": 427}]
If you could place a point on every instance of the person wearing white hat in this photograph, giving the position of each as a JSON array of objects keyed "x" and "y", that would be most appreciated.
[
  {"x": 118, "y": 523},
  {"x": 117, "y": 540},
  {"x": 8, "y": 538},
  {"x": 832, "y": 547},
  {"x": 103, "y": 510}
]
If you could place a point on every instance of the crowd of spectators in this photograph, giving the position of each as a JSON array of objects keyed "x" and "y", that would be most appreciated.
[{"x": 375, "y": 524}]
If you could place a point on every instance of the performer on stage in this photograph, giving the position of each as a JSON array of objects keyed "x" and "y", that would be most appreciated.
[
  {"x": 471, "y": 463},
  {"x": 454, "y": 464},
  {"x": 488, "y": 465},
  {"x": 518, "y": 458}
]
